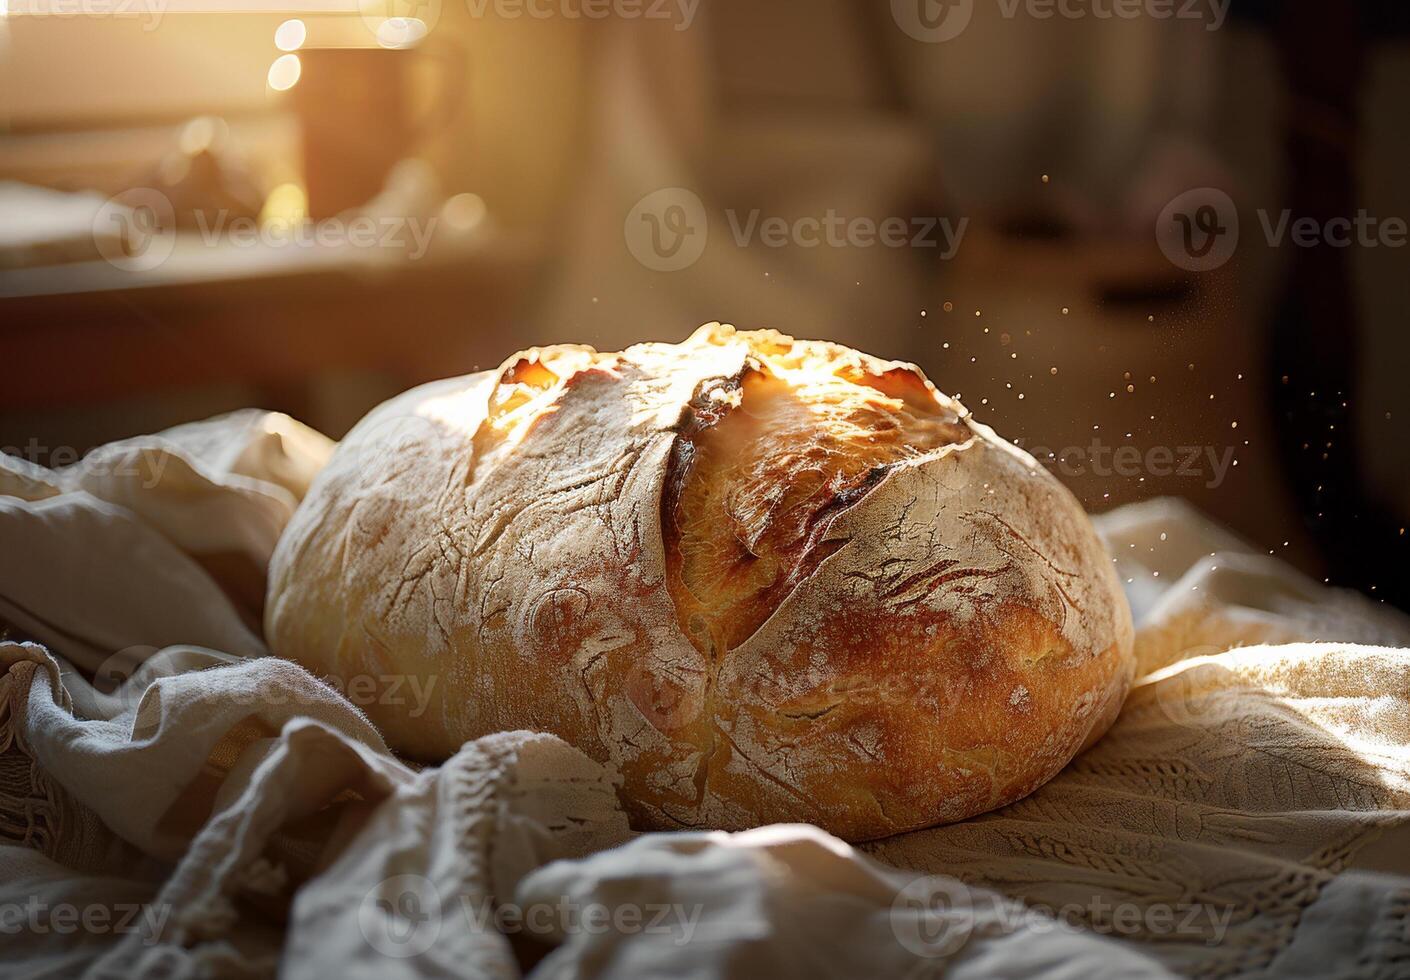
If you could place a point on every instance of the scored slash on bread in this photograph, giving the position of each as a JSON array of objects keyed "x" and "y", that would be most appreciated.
[{"x": 763, "y": 579}]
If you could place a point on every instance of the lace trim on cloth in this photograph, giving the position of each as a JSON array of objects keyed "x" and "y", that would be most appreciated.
[
  {"x": 33, "y": 811},
  {"x": 36, "y": 811}
]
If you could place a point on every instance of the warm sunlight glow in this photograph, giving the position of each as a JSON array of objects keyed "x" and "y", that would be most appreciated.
[
  {"x": 286, "y": 205},
  {"x": 290, "y": 35},
  {"x": 462, "y": 412},
  {"x": 782, "y": 834},
  {"x": 464, "y": 211},
  {"x": 202, "y": 133},
  {"x": 284, "y": 73}
]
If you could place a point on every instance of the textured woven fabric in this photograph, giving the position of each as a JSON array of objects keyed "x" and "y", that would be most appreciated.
[{"x": 174, "y": 802}]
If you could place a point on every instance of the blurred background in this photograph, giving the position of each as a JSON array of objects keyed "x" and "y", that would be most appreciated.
[{"x": 1160, "y": 243}]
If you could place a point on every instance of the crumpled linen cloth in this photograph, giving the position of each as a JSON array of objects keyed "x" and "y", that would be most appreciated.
[{"x": 175, "y": 802}]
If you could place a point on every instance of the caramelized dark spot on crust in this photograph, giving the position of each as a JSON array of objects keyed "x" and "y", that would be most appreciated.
[{"x": 763, "y": 465}]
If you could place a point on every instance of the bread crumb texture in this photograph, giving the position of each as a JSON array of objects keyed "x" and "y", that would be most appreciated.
[{"x": 763, "y": 579}]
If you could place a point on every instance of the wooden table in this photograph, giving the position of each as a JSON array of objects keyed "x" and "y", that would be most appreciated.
[{"x": 269, "y": 316}]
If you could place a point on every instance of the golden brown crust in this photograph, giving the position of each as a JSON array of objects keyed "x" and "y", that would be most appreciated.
[
  {"x": 762, "y": 465},
  {"x": 765, "y": 579}
]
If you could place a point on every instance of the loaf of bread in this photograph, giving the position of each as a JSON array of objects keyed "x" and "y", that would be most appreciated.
[{"x": 762, "y": 579}]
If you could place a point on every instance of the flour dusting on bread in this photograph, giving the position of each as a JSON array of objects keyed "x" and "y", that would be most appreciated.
[{"x": 764, "y": 579}]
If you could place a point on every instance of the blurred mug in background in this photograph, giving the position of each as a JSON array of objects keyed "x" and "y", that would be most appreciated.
[{"x": 362, "y": 109}]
